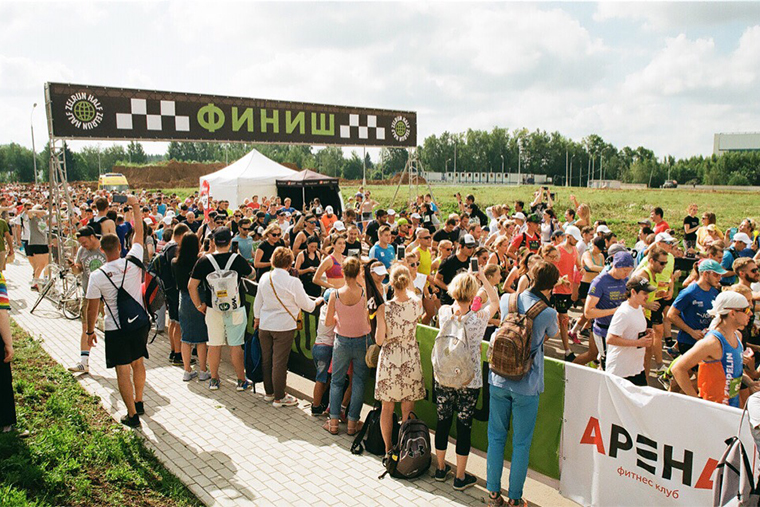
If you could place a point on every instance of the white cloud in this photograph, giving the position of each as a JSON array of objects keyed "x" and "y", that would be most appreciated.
[{"x": 664, "y": 16}]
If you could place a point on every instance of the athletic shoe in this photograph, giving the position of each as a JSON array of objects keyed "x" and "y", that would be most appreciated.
[
  {"x": 214, "y": 384},
  {"x": 35, "y": 288},
  {"x": 462, "y": 484},
  {"x": 662, "y": 369},
  {"x": 318, "y": 410},
  {"x": 287, "y": 401},
  {"x": 664, "y": 380},
  {"x": 269, "y": 398},
  {"x": 177, "y": 361},
  {"x": 586, "y": 332},
  {"x": 570, "y": 357},
  {"x": 204, "y": 376},
  {"x": 673, "y": 352},
  {"x": 243, "y": 385},
  {"x": 79, "y": 368},
  {"x": 187, "y": 376},
  {"x": 574, "y": 336},
  {"x": 132, "y": 422},
  {"x": 139, "y": 408},
  {"x": 669, "y": 342},
  {"x": 442, "y": 475}
]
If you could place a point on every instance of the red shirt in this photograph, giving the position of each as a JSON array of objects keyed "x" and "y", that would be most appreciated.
[
  {"x": 661, "y": 227},
  {"x": 565, "y": 265},
  {"x": 525, "y": 239}
]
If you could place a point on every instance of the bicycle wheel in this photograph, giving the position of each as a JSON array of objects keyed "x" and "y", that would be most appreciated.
[
  {"x": 44, "y": 292},
  {"x": 71, "y": 302}
]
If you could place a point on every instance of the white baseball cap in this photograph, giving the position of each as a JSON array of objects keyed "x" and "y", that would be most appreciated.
[
  {"x": 743, "y": 237},
  {"x": 339, "y": 226},
  {"x": 380, "y": 269},
  {"x": 574, "y": 232},
  {"x": 519, "y": 216},
  {"x": 664, "y": 237},
  {"x": 415, "y": 215},
  {"x": 391, "y": 211},
  {"x": 603, "y": 228},
  {"x": 329, "y": 210}
]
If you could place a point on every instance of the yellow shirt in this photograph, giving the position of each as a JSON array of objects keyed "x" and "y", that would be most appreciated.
[{"x": 425, "y": 261}]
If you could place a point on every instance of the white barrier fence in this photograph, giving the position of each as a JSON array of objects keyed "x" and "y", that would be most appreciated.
[{"x": 624, "y": 445}]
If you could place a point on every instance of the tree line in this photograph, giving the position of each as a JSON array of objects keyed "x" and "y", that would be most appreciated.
[{"x": 498, "y": 150}]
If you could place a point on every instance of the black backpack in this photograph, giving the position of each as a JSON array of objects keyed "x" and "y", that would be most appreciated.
[
  {"x": 412, "y": 455},
  {"x": 372, "y": 435},
  {"x": 132, "y": 315}
]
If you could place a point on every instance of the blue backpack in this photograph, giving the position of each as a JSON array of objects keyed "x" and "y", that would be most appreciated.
[{"x": 253, "y": 370}]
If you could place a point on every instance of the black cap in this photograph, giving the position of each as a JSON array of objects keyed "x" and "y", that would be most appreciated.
[
  {"x": 222, "y": 236},
  {"x": 85, "y": 232}
]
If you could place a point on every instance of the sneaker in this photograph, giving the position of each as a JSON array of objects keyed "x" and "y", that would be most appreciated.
[
  {"x": 574, "y": 336},
  {"x": 442, "y": 475},
  {"x": 204, "y": 376},
  {"x": 187, "y": 376},
  {"x": 269, "y": 398},
  {"x": 318, "y": 410},
  {"x": 661, "y": 370},
  {"x": 176, "y": 360},
  {"x": 386, "y": 457},
  {"x": 570, "y": 357},
  {"x": 132, "y": 422},
  {"x": 664, "y": 381},
  {"x": 79, "y": 368},
  {"x": 669, "y": 342},
  {"x": 673, "y": 352},
  {"x": 140, "y": 408},
  {"x": 214, "y": 384},
  {"x": 586, "y": 332},
  {"x": 35, "y": 288},
  {"x": 243, "y": 385},
  {"x": 287, "y": 401},
  {"x": 462, "y": 484}
]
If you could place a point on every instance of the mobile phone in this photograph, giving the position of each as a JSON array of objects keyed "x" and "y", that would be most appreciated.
[
  {"x": 474, "y": 265},
  {"x": 119, "y": 198},
  {"x": 207, "y": 244},
  {"x": 400, "y": 252},
  {"x": 642, "y": 335}
]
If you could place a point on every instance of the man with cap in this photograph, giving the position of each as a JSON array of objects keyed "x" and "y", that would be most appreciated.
[
  {"x": 89, "y": 257},
  {"x": 562, "y": 294},
  {"x": 606, "y": 294},
  {"x": 529, "y": 238},
  {"x": 718, "y": 354},
  {"x": 391, "y": 218},
  {"x": 453, "y": 265},
  {"x": 329, "y": 218},
  {"x": 339, "y": 227},
  {"x": 689, "y": 311},
  {"x": 737, "y": 250},
  {"x": 628, "y": 336},
  {"x": 667, "y": 276},
  {"x": 519, "y": 218},
  {"x": 402, "y": 232},
  {"x": 225, "y": 327}
]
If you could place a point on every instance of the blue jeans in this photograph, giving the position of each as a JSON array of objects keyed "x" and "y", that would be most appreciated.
[
  {"x": 346, "y": 350},
  {"x": 523, "y": 410}
]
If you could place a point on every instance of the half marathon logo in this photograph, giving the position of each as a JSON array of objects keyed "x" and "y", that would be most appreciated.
[
  {"x": 400, "y": 128},
  {"x": 84, "y": 111}
]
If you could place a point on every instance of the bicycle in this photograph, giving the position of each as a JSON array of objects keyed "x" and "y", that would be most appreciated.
[{"x": 67, "y": 299}]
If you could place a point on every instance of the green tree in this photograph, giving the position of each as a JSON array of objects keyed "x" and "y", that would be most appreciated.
[
  {"x": 136, "y": 153},
  {"x": 393, "y": 160},
  {"x": 352, "y": 167},
  {"x": 329, "y": 161},
  {"x": 17, "y": 163}
]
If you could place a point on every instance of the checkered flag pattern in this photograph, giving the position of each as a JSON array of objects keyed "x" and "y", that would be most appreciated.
[
  {"x": 139, "y": 108},
  {"x": 363, "y": 130}
]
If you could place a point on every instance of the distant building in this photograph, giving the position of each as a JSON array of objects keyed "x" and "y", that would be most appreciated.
[{"x": 744, "y": 141}]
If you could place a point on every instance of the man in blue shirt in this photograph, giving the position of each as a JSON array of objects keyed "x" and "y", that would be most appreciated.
[
  {"x": 689, "y": 311},
  {"x": 383, "y": 250},
  {"x": 242, "y": 243},
  {"x": 518, "y": 399},
  {"x": 737, "y": 249}
]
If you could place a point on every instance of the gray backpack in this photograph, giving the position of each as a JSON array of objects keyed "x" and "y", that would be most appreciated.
[
  {"x": 451, "y": 355},
  {"x": 734, "y": 484}
]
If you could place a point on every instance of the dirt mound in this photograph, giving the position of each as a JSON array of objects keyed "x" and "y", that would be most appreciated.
[{"x": 171, "y": 174}]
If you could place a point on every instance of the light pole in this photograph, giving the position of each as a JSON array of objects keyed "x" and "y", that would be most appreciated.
[
  {"x": 446, "y": 170},
  {"x": 519, "y": 159},
  {"x": 571, "y": 170},
  {"x": 34, "y": 152},
  {"x": 99, "y": 171},
  {"x": 502, "y": 166},
  {"x": 455, "y": 157}
]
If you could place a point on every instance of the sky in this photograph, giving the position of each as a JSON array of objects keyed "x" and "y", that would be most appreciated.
[{"x": 666, "y": 76}]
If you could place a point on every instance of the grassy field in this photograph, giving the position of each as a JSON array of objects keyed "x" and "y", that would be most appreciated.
[
  {"x": 76, "y": 454},
  {"x": 620, "y": 208}
]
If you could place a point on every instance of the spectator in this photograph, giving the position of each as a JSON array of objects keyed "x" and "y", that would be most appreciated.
[
  {"x": 306, "y": 265},
  {"x": 7, "y": 401},
  {"x": 737, "y": 249},
  {"x": 321, "y": 352},
  {"x": 242, "y": 243},
  {"x": 262, "y": 257},
  {"x": 690, "y": 227},
  {"x": 332, "y": 266},
  {"x": 660, "y": 225},
  {"x": 518, "y": 400},
  {"x": 373, "y": 228},
  {"x": 454, "y": 265},
  {"x": 383, "y": 250},
  {"x": 708, "y": 233},
  {"x": 279, "y": 301}
]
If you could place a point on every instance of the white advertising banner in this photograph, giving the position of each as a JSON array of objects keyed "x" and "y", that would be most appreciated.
[{"x": 624, "y": 445}]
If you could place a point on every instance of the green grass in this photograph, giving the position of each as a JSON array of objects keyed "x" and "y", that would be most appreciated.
[
  {"x": 620, "y": 208},
  {"x": 77, "y": 454}
]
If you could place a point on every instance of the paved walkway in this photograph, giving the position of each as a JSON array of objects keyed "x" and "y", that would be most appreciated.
[{"x": 233, "y": 448}]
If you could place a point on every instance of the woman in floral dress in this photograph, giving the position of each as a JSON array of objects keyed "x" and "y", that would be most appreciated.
[{"x": 399, "y": 371}]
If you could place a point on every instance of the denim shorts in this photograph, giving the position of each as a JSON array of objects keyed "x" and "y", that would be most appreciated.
[{"x": 322, "y": 355}]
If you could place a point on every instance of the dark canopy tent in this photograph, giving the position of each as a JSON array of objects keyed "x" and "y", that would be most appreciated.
[{"x": 306, "y": 185}]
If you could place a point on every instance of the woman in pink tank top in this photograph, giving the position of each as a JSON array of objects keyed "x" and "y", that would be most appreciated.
[{"x": 347, "y": 310}]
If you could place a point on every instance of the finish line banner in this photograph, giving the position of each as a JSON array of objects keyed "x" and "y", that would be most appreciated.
[
  {"x": 94, "y": 112},
  {"x": 624, "y": 445}
]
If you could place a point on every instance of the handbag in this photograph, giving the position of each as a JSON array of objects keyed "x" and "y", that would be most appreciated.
[
  {"x": 372, "y": 355},
  {"x": 299, "y": 319}
]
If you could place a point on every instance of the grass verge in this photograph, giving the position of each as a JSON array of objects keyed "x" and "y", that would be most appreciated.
[{"x": 77, "y": 454}]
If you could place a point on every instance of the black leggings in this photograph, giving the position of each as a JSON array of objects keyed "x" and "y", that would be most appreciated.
[{"x": 464, "y": 400}]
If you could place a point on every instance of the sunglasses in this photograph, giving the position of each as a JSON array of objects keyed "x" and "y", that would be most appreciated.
[
  {"x": 662, "y": 263},
  {"x": 245, "y": 228},
  {"x": 424, "y": 237},
  {"x": 275, "y": 234},
  {"x": 747, "y": 310}
]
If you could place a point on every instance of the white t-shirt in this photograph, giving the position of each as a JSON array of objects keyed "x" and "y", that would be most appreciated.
[
  {"x": 627, "y": 323},
  {"x": 419, "y": 284},
  {"x": 582, "y": 247},
  {"x": 325, "y": 333},
  {"x": 99, "y": 285}
]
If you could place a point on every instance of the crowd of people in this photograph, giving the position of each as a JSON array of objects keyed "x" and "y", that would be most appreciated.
[{"x": 372, "y": 274}]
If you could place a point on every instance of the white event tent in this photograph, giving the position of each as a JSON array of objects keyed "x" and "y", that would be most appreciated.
[{"x": 254, "y": 174}]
